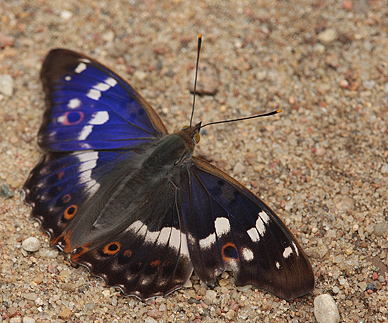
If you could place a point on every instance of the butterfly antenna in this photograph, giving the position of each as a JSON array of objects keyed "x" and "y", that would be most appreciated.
[
  {"x": 244, "y": 118},
  {"x": 196, "y": 75}
]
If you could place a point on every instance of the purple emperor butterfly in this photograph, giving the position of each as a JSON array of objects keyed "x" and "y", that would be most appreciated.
[{"x": 131, "y": 203}]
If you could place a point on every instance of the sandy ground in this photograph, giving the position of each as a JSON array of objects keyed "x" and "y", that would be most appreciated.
[{"x": 321, "y": 164}]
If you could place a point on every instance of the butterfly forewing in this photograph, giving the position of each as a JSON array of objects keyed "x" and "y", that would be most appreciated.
[
  {"x": 91, "y": 107},
  {"x": 230, "y": 228}
]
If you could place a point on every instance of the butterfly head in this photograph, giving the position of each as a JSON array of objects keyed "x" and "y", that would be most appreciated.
[{"x": 193, "y": 132}]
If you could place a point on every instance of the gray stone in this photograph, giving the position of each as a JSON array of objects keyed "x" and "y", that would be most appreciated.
[
  {"x": 325, "y": 309},
  {"x": 31, "y": 244},
  {"x": 6, "y": 191}
]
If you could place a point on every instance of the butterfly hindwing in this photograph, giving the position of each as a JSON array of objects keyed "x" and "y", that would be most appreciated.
[
  {"x": 147, "y": 254},
  {"x": 91, "y": 107},
  {"x": 230, "y": 228}
]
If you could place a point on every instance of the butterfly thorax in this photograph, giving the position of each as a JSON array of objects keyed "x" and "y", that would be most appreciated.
[{"x": 173, "y": 149}]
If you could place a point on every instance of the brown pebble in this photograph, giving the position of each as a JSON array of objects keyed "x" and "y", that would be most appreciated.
[
  {"x": 65, "y": 314},
  {"x": 230, "y": 315},
  {"x": 38, "y": 279},
  {"x": 344, "y": 202},
  {"x": 70, "y": 287}
]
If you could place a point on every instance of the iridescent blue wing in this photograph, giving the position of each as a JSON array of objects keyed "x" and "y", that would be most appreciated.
[
  {"x": 230, "y": 228},
  {"x": 90, "y": 107},
  {"x": 93, "y": 121}
]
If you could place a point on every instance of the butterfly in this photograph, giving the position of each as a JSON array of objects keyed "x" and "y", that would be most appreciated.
[{"x": 130, "y": 202}]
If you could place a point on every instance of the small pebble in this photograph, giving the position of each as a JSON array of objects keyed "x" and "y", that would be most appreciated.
[
  {"x": 325, "y": 309},
  {"x": 371, "y": 286},
  {"x": 89, "y": 306},
  {"x": 362, "y": 285},
  {"x": 6, "y": 192},
  {"x": 106, "y": 293},
  {"x": 65, "y": 314},
  {"x": 38, "y": 279},
  {"x": 210, "y": 296},
  {"x": 31, "y": 244},
  {"x": 108, "y": 36},
  {"x": 16, "y": 319},
  {"x": 238, "y": 168},
  {"x": 49, "y": 253},
  {"x": 327, "y": 36},
  {"x": 344, "y": 202},
  {"x": 66, "y": 15},
  {"x": 344, "y": 84},
  {"x": 150, "y": 320},
  {"x": 379, "y": 229},
  {"x": 6, "y": 84},
  {"x": 30, "y": 296},
  {"x": 140, "y": 75},
  {"x": 155, "y": 313},
  {"x": 5, "y": 41},
  {"x": 347, "y": 5},
  {"x": 28, "y": 319},
  {"x": 230, "y": 315},
  {"x": 384, "y": 168}
]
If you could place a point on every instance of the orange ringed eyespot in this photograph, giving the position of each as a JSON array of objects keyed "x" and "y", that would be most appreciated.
[
  {"x": 112, "y": 248},
  {"x": 70, "y": 212}
]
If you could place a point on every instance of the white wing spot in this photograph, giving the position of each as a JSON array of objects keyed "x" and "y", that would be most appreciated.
[
  {"x": 247, "y": 254},
  {"x": 260, "y": 226},
  {"x": 74, "y": 103},
  {"x": 102, "y": 86},
  {"x": 99, "y": 117},
  {"x": 88, "y": 161},
  {"x": 138, "y": 227},
  {"x": 111, "y": 81},
  {"x": 287, "y": 252},
  {"x": 296, "y": 248},
  {"x": 80, "y": 68},
  {"x": 264, "y": 216},
  {"x": 253, "y": 234},
  {"x": 94, "y": 94},
  {"x": 208, "y": 241},
  {"x": 222, "y": 226},
  {"x": 62, "y": 119},
  {"x": 85, "y": 132},
  {"x": 277, "y": 265},
  {"x": 67, "y": 78}
]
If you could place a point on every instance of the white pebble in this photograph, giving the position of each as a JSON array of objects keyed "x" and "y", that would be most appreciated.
[
  {"x": 31, "y": 244},
  {"x": 66, "y": 15},
  {"x": 6, "y": 84},
  {"x": 325, "y": 309},
  {"x": 327, "y": 36},
  {"x": 27, "y": 319}
]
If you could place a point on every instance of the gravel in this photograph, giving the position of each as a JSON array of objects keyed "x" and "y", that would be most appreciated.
[{"x": 321, "y": 164}]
